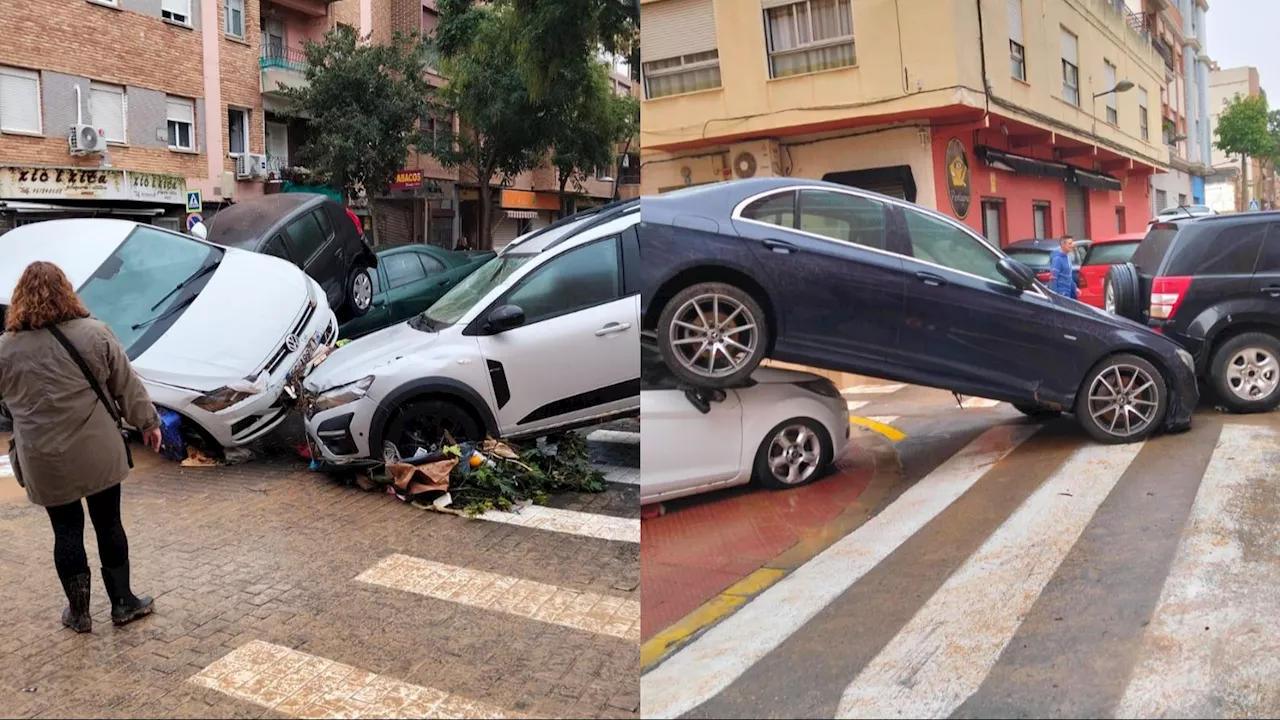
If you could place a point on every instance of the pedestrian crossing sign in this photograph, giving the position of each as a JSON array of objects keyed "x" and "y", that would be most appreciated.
[
  {"x": 1253, "y": 206},
  {"x": 194, "y": 204}
]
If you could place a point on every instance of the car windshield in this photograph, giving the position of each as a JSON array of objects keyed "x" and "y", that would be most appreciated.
[
  {"x": 136, "y": 284},
  {"x": 1110, "y": 253},
  {"x": 455, "y": 303},
  {"x": 1029, "y": 256}
]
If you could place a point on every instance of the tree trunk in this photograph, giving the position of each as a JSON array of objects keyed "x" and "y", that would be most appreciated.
[
  {"x": 564, "y": 202},
  {"x": 1245, "y": 182},
  {"x": 374, "y": 230},
  {"x": 485, "y": 241}
]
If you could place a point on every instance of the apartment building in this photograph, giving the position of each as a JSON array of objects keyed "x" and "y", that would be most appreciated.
[
  {"x": 1022, "y": 118},
  {"x": 1231, "y": 185}
]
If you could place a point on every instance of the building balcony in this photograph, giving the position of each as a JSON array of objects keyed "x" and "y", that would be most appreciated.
[
  {"x": 314, "y": 8},
  {"x": 1164, "y": 51},
  {"x": 282, "y": 67}
]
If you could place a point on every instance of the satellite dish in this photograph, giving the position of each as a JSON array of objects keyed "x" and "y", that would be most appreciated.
[{"x": 200, "y": 231}]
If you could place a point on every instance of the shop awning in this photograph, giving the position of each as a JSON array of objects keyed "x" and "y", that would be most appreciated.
[
  {"x": 522, "y": 214},
  {"x": 1023, "y": 165},
  {"x": 23, "y": 207},
  {"x": 1096, "y": 181}
]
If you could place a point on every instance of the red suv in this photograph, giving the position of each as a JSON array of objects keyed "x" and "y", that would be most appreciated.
[{"x": 1101, "y": 255}]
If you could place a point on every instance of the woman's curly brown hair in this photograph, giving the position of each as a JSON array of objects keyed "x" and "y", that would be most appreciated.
[{"x": 43, "y": 298}]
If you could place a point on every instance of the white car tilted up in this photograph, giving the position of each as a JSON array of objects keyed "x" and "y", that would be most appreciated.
[
  {"x": 542, "y": 338},
  {"x": 782, "y": 429},
  {"x": 213, "y": 332}
]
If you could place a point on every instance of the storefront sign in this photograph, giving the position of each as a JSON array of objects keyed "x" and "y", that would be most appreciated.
[
  {"x": 958, "y": 178},
  {"x": 34, "y": 183},
  {"x": 524, "y": 200},
  {"x": 407, "y": 180}
]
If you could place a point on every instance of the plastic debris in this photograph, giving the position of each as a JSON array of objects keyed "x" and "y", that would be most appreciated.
[
  {"x": 195, "y": 458},
  {"x": 303, "y": 450},
  {"x": 237, "y": 455},
  {"x": 172, "y": 445}
]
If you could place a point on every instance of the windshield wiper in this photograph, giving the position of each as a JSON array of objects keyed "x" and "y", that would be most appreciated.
[
  {"x": 200, "y": 272},
  {"x": 171, "y": 311},
  {"x": 422, "y": 322}
]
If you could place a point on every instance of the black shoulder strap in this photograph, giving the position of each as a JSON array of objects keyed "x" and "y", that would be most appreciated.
[{"x": 88, "y": 374}]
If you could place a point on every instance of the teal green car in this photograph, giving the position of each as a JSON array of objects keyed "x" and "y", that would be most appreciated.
[{"x": 408, "y": 280}]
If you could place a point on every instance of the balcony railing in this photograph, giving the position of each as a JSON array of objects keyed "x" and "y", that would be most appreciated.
[
  {"x": 1164, "y": 51},
  {"x": 280, "y": 56},
  {"x": 1139, "y": 22}
]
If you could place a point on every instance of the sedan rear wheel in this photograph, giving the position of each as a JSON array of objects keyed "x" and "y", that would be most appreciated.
[
  {"x": 360, "y": 291},
  {"x": 1122, "y": 400},
  {"x": 794, "y": 453}
]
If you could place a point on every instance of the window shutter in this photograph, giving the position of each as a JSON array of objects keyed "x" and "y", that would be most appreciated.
[
  {"x": 1142, "y": 98},
  {"x": 1110, "y": 72},
  {"x": 677, "y": 27},
  {"x": 1069, "y": 48},
  {"x": 177, "y": 7},
  {"x": 106, "y": 105},
  {"x": 181, "y": 110},
  {"x": 1015, "y": 21},
  {"x": 19, "y": 100}
]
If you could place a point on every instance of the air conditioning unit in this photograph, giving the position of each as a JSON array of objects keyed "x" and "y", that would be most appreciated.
[
  {"x": 257, "y": 166},
  {"x": 760, "y": 158},
  {"x": 87, "y": 139}
]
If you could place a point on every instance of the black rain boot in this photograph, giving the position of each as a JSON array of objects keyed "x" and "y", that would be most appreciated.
[
  {"x": 76, "y": 616},
  {"x": 125, "y": 606}
]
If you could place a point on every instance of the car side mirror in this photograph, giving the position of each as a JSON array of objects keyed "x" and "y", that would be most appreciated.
[
  {"x": 1018, "y": 275},
  {"x": 503, "y": 318}
]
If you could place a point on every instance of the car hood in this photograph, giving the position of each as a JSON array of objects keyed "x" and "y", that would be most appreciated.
[
  {"x": 363, "y": 357},
  {"x": 1099, "y": 315},
  {"x": 238, "y": 320}
]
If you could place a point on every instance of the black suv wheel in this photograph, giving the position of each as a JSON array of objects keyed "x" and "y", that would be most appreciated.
[
  {"x": 712, "y": 335},
  {"x": 1122, "y": 400},
  {"x": 1120, "y": 291},
  {"x": 1245, "y": 372}
]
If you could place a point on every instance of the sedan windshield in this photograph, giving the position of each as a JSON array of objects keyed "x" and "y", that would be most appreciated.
[
  {"x": 136, "y": 284},
  {"x": 455, "y": 303}
]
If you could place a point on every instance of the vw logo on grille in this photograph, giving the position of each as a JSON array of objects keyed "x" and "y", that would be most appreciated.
[{"x": 291, "y": 342}]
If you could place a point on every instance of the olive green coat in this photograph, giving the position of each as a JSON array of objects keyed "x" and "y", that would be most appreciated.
[{"x": 66, "y": 446}]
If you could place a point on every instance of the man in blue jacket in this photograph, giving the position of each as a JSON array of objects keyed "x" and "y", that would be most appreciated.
[{"x": 1062, "y": 278}]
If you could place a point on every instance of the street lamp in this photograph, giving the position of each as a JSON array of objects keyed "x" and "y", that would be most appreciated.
[{"x": 1122, "y": 86}]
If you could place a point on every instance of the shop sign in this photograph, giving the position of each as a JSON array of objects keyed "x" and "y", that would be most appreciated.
[
  {"x": 525, "y": 200},
  {"x": 407, "y": 180},
  {"x": 958, "y": 178},
  {"x": 35, "y": 183}
]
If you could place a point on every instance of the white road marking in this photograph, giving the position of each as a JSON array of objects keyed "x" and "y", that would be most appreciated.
[
  {"x": 872, "y": 389},
  {"x": 619, "y": 474},
  {"x": 572, "y": 522},
  {"x": 295, "y": 683},
  {"x": 709, "y": 664},
  {"x": 602, "y": 614},
  {"x": 977, "y": 402},
  {"x": 884, "y": 419},
  {"x": 1212, "y": 647},
  {"x": 941, "y": 656},
  {"x": 856, "y": 404},
  {"x": 615, "y": 436}
]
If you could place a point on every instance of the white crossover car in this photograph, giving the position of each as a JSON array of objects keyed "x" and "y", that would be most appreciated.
[
  {"x": 214, "y": 333},
  {"x": 782, "y": 429},
  {"x": 542, "y": 338}
]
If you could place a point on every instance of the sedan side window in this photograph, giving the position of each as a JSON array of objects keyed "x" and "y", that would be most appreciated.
[
  {"x": 776, "y": 210},
  {"x": 939, "y": 242},
  {"x": 847, "y": 218},
  {"x": 402, "y": 269},
  {"x": 1269, "y": 258},
  {"x": 306, "y": 237},
  {"x": 275, "y": 246},
  {"x": 581, "y": 278},
  {"x": 430, "y": 264}
]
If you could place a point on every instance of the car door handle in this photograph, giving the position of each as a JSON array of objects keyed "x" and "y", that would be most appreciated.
[
  {"x": 444, "y": 282},
  {"x": 930, "y": 279},
  {"x": 612, "y": 328},
  {"x": 778, "y": 246},
  {"x": 1272, "y": 290}
]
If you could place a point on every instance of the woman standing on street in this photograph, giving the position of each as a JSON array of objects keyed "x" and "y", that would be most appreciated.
[{"x": 66, "y": 381}]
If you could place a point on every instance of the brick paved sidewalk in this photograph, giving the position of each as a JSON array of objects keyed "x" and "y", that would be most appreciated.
[{"x": 268, "y": 553}]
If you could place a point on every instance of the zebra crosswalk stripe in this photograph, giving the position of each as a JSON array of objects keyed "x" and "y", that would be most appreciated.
[
  {"x": 945, "y": 651},
  {"x": 572, "y": 522},
  {"x": 709, "y": 664}
]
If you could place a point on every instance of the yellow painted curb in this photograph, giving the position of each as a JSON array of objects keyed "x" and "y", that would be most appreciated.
[
  {"x": 733, "y": 597},
  {"x": 889, "y": 431}
]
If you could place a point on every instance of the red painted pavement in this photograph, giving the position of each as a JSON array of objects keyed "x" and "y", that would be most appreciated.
[{"x": 706, "y": 543}]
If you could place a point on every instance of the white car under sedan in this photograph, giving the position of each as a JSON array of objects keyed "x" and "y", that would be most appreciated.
[
  {"x": 781, "y": 430},
  {"x": 215, "y": 333}
]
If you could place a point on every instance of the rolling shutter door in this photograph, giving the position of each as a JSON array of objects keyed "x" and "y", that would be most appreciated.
[
  {"x": 1015, "y": 21},
  {"x": 505, "y": 230},
  {"x": 1076, "y": 211},
  {"x": 677, "y": 27}
]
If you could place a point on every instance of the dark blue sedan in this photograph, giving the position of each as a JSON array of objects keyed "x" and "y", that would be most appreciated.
[{"x": 834, "y": 277}]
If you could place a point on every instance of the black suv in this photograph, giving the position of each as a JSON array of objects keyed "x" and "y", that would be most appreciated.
[
  {"x": 311, "y": 231},
  {"x": 1213, "y": 285}
]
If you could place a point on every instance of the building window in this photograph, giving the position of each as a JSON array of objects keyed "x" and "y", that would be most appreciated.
[
  {"x": 1040, "y": 216},
  {"x": 238, "y": 130},
  {"x": 685, "y": 74},
  {"x": 1070, "y": 69},
  {"x": 182, "y": 123},
  {"x": 1162, "y": 200},
  {"x": 178, "y": 11},
  {"x": 1143, "y": 121},
  {"x": 107, "y": 108},
  {"x": 991, "y": 221},
  {"x": 19, "y": 100},
  {"x": 233, "y": 18},
  {"x": 168, "y": 223},
  {"x": 1119, "y": 219},
  {"x": 1182, "y": 200},
  {"x": 1017, "y": 51},
  {"x": 604, "y": 173},
  {"x": 1109, "y": 75},
  {"x": 809, "y": 36}
]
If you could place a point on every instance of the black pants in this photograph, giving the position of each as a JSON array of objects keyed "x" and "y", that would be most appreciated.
[{"x": 68, "y": 533}]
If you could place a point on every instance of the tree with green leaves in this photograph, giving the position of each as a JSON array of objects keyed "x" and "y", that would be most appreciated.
[
  {"x": 363, "y": 102},
  {"x": 503, "y": 130},
  {"x": 563, "y": 38},
  {"x": 1246, "y": 127},
  {"x": 589, "y": 121}
]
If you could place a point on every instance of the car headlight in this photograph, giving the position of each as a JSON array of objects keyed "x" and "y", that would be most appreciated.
[
  {"x": 823, "y": 387},
  {"x": 343, "y": 394},
  {"x": 221, "y": 399},
  {"x": 1186, "y": 359}
]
